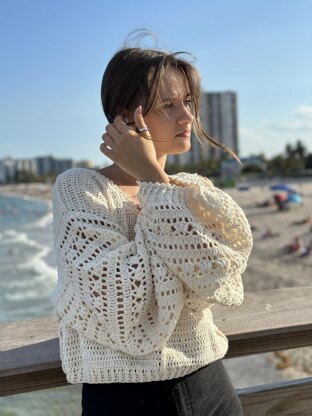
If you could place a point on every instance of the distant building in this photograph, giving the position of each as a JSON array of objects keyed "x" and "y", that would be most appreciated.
[
  {"x": 26, "y": 165},
  {"x": 218, "y": 114},
  {"x": 7, "y": 169},
  {"x": 3, "y": 177},
  {"x": 49, "y": 165},
  {"x": 63, "y": 164},
  {"x": 219, "y": 119},
  {"x": 40, "y": 166},
  {"x": 88, "y": 164},
  {"x": 231, "y": 168},
  {"x": 45, "y": 165}
]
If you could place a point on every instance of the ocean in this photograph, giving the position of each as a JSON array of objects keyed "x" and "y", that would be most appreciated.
[{"x": 27, "y": 278}]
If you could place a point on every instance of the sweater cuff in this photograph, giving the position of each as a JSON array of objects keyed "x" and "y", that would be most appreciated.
[{"x": 161, "y": 195}]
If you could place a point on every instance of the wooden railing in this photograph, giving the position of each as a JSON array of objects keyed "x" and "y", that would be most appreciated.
[{"x": 267, "y": 321}]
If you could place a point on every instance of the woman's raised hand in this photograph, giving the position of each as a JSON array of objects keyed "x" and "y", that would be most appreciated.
[{"x": 132, "y": 151}]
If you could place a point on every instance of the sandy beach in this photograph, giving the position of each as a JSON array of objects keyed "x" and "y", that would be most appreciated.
[
  {"x": 33, "y": 190},
  {"x": 269, "y": 267}
]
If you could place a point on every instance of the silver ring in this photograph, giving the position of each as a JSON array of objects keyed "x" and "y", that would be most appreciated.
[{"x": 142, "y": 129}]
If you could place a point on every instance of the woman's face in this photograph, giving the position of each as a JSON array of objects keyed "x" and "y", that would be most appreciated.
[{"x": 170, "y": 122}]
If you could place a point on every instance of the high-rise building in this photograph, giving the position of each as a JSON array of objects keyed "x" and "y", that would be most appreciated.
[
  {"x": 219, "y": 119},
  {"x": 7, "y": 169},
  {"x": 41, "y": 166},
  {"x": 26, "y": 165},
  {"x": 218, "y": 114},
  {"x": 45, "y": 165},
  {"x": 49, "y": 164}
]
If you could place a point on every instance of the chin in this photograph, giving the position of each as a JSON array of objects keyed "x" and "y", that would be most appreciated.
[
  {"x": 178, "y": 152},
  {"x": 182, "y": 149}
]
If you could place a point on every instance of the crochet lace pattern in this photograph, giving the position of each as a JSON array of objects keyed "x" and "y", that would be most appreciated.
[{"x": 134, "y": 287}]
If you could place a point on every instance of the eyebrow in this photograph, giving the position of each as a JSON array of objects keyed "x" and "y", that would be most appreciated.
[{"x": 173, "y": 98}]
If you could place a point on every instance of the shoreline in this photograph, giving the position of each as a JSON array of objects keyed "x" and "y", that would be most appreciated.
[{"x": 42, "y": 191}]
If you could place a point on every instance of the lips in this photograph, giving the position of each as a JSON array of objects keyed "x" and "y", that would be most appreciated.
[{"x": 184, "y": 133}]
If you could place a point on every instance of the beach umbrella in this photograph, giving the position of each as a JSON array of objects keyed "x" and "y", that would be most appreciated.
[
  {"x": 294, "y": 198},
  {"x": 282, "y": 187},
  {"x": 243, "y": 187}
]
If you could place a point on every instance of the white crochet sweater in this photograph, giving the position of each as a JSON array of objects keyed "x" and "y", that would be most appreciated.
[{"x": 135, "y": 288}]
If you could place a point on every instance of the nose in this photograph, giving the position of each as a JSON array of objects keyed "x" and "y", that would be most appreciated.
[{"x": 185, "y": 116}]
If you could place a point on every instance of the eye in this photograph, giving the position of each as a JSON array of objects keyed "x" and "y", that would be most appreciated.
[
  {"x": 189, "y": 102},
  {"x": 167, "y": 106}
]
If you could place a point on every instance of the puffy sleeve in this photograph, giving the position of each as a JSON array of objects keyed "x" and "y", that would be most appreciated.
[
  {"x": 200, "y": 233},
  {"x": 109, "y": 289}
]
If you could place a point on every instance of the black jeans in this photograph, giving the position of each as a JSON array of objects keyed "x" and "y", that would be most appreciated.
[{"x": 206, "y": 392}]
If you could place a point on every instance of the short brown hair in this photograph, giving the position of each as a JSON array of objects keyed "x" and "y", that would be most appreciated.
[{"x": 132, "y": 77}]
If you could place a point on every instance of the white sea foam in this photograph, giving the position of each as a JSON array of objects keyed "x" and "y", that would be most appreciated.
[
  {"x": 24, "y": 283},
  {"x": 37, "y": 264},
  {"x": 33, "y": 262},
  {"x": 27, "y": 271},
  {"x": 13, "y": 236},
  {"x": 23, "y": 295},
  {"x": 39, "y": 285},
  {"x": 42, "y": 222}
]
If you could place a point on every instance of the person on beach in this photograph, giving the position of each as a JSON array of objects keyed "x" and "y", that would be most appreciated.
[
  {"x": 293, "y": 247},
  {"x": 281, "y": 201},
  {"x": 306, "y": 220},
  {"x": 269, "y": 233},
  {"x": 306, "y": 250},
  {"x": 142, "y": 256}
]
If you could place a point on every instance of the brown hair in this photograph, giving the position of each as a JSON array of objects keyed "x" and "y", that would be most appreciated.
[{"x": 132, "y": 77}]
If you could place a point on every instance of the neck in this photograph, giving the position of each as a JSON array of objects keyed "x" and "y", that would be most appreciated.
[{"x": 125, "y": 178}]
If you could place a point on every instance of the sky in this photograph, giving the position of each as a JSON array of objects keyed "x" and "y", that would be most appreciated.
[{"x": 53, "y": 54}]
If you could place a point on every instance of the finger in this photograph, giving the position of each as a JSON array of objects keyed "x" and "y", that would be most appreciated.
[
  {"x": 138, "y": 118},
  {"x": 108, "y": 140},
  {"x": 112, "y": 131},
  {"x": 140, "y": 122},
  {"x": 120, "y": 125},
  {"x": 129, "y": 122},
  {"x": 106, "y": 151}
]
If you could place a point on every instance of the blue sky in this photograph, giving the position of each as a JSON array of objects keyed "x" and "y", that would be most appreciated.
[{"x": 54, "y": 52}]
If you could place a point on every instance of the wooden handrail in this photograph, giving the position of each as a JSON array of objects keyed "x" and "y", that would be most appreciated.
[
  {"x": 267, "y": 321},
  {"x": 277, "y": 399}
]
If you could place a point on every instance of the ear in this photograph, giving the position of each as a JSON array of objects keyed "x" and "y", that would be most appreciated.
[
  {"x": 127, "y": 115},
  {"x": 122, "y": 112}
]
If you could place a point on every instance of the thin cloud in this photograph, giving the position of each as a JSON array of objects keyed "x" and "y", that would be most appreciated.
[
  {"x": 300, "y": 121},
  {"x": 259, "y": 139},
  {"x": 295, "y": 126},
  {"x": 304, "y": 111},
  {"x": 255, "y": 140}
]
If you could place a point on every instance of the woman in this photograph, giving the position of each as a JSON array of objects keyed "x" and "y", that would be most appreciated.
[{"x": 142, "y": 255}]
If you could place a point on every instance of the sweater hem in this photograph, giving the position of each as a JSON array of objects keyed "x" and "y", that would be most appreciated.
[{"x": 135, "y": 376}]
